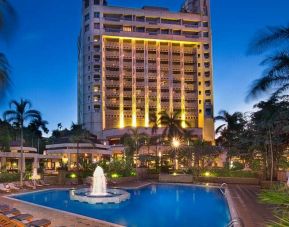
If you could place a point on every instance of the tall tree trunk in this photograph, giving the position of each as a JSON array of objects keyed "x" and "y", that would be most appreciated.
[
  {"x": 38, "y": 145},
  {"x": 272, "y": 157},
  {"x": 21, "y": 156},
  {"x": 77, "y": 163}
]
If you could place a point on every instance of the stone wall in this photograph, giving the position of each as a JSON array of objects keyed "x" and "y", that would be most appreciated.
[
  {"x": 186, "y": 178},
  {"x": 167, "y": 178}
]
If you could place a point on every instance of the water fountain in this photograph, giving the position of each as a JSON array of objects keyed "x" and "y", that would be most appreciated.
[{"x": 99, "y": 193}]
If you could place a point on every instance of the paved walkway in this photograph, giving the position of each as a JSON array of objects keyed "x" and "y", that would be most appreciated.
[{"x": 253, "y": 213}]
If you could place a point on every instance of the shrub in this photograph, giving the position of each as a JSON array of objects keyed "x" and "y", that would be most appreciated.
[
  {"x": 237, "y": 166},
  {"x": 6, "y": 177},
  {"x": 222, "y": 172}
]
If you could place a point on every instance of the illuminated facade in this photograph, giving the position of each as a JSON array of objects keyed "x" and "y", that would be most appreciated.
[{"x": 136, "y": 61}]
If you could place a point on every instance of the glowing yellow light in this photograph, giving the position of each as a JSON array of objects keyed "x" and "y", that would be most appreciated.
[
  {"x": 114, "y": 175},
  {"x": 73, "y": 175},
  {"x": 145, "y": 39},
  {"x": 174, "y": 174},
  {"x": 176, "y": 143},
  {"x": 207, "y": 174},
  {"x": 64, "y": 160}
]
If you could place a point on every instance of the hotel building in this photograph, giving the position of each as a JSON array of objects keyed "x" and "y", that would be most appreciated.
[{"x": 133, "y": 62}]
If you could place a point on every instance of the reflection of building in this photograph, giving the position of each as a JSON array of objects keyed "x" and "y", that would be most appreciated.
[
  {"x": 136, "y": 61},
  {"x": 10, "y": 161}
]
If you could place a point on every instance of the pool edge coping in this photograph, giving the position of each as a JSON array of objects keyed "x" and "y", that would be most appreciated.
[
  {"x": 227, "y": 195},
  {"x": 9, "y": 197}
]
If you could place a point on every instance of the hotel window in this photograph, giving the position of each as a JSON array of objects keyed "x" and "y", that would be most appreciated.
[
  {"x": 206, "y": 46},
  {"x": 96, "y": 25},
  {"x": 86, "y": 17},
  {"x": 86, "y": 3},
  {"x": 127, "y": 28},
  {"x": 86, "y": 28},
  {"x": 206, "y": 34},
  {"x": 96, "y": 14},
  {"x": 208, "y": 92},
  {"x": 205, "y": 24}
]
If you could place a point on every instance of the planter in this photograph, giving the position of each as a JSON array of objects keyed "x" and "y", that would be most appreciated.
[
  {"x": 282, "y": 176},
  {"x": 182, "y": 178},
  {"x": 229, "y": 180},
  {"x": 142, "y": 173},
  {"x": 62, "y": 177}
]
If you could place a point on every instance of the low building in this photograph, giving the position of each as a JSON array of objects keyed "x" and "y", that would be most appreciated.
[
  {"x": 11, "y": 161},
  {"x": 68, "y": 152}
]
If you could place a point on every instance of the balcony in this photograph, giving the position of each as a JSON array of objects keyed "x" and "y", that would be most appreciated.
[
  {"x": 111, "y": 83},
  {"x": 112, "y": 45}
]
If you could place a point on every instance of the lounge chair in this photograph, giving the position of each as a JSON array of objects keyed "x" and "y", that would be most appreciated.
[
  {"x": 23, "y": 217},
  {"x": 12, "y": 186},
  {"x": 3, "y": 188},
  {"x": 11, "y": 213},
  {"x": 4, "y": 207},
  {"x": 28, "y": 185},
  {"x": 37, "y": 184},
  {"x": 43, "y": 183},
  {"x": 36, "y": 223}
]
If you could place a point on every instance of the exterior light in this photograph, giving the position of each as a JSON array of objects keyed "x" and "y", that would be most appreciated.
[
  {"x": 174, "y": 174},
  {"x": 207, "y": 174},
  {"x": 64, "y": 160},
  {"x": 73, "y": 175},
  {"x": 176, "y": 143},
  {"x": 114, "y": 175},
  {"x": 160, "y": 154}
]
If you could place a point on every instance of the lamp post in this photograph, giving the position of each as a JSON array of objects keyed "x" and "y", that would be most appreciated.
[{"x": 176, "y": 143}]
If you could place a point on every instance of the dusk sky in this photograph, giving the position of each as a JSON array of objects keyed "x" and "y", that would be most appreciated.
[{"x": 43, "y": 52}]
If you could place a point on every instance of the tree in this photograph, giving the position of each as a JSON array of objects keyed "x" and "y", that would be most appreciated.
[
  {"x": 80, "y": 135},
  {"x": 37, "y": 126},
  {"x": 133, "y": 141},
  {"x": 59, "y": 126},
  {"x": 276, "y": 76},
  {"x": 155, "y": 138},
  {"x": 6, "y": 12},
  {"x": 21, "y": 113},
  {"x": 231, "y": 129},
  {"x": 172, "y": 124}
]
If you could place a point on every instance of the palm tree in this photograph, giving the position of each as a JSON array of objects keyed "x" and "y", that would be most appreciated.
[
  {"x": 276, "y": 76},
  {"x": 80, "y": 135},
  {"x": 59, "y": 126},
  {"x": 37, "y": 126},
  {"x": 4, "y": 75},
  {"x": 233, "y": 122},
  {"x": 133, "y": 141},
  {"x": 21, "y": 113},
  {"x": 155, "y": 138},
  {"x": 172, "y": 124},
  {"x": 5, "y": 10}
]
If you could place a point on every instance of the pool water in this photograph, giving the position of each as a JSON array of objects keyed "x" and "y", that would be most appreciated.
[{"x": 152, "y": 206}]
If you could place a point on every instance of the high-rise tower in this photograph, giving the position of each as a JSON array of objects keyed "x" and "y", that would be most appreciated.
[{"x": 136, "y": 61}]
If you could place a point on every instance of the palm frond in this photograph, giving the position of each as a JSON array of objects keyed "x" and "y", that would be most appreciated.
[
  {"x": 5, "y": 81},
  {"x": 267, "y": 38}
]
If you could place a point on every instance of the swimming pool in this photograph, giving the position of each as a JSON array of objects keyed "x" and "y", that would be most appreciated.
[{"x": 154, "y": 205}]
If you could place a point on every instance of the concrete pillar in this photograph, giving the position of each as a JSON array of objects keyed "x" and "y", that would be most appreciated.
[
  {"x": 36, "y": 162},
  {"x": 3, "y": 163},
  {"x": 19, "y": 164}
]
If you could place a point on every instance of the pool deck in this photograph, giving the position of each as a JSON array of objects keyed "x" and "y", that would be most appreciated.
[
  {"x": 247, "y": 206},
  {"x": 244, "y": 198}
]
